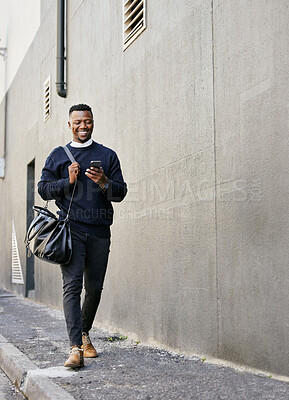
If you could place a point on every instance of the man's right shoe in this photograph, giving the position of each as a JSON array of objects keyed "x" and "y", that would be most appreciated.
[{"x": 75, "y": 359}]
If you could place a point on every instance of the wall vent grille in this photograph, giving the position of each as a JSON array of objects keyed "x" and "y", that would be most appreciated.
[
  {"x": 17, "y": 276},
  {"x": 134, "y": 21},
  {"x": 47, "y": 96}
]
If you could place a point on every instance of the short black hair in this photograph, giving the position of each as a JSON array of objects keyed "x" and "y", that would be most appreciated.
[{"x": 80, "y": 107}]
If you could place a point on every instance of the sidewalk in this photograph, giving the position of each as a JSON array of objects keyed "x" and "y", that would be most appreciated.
[
  {"x": 7, "y": 391},
  {"x": 34, "y": 346}
]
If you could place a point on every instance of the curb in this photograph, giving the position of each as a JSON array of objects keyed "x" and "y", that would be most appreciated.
[{"x": 23, "y": 373}]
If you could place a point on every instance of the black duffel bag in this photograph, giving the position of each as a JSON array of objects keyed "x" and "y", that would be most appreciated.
[{"x": 49, "y": 238}]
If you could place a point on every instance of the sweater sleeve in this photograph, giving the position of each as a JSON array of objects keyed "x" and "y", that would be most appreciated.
[
  {"x": 117, "y": 188},
  {"x": 51, "y": 185}
]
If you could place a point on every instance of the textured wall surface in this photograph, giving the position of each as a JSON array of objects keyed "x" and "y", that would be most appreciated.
[
  {"x": 251, "y": 81},
  {"x": 197, "y": 110}
]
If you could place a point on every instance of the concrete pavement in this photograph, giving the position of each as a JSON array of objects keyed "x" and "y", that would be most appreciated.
[
  {"x": 34, "y": 346},
  {"x": 7, "y": 390}
]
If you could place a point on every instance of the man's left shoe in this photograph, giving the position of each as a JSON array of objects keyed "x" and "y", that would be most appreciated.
[
  {"x": 88, "y": 349},
  {"x": 75, "y": 359}
]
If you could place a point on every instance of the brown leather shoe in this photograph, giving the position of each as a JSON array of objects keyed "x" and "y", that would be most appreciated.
[
  {"x": 75, "y": 359},
  {"x": 88, "y": 348}
]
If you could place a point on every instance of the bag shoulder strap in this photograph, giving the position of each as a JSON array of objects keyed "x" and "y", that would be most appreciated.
[
  {"x": 71, "y": 199},
  {"x": 72, "y": 159},
  {"x": 68, "y": 153}
]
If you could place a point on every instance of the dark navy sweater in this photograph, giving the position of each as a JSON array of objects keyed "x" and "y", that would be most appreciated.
[{"x": 91, "y": 210}]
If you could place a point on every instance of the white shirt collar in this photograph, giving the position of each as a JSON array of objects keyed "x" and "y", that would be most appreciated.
[{"x": 77, "y": 144}]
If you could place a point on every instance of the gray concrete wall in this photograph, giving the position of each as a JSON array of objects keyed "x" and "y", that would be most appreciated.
[
  {"x": 251, "y": 81},
  {"x": 196, "y": 109}
]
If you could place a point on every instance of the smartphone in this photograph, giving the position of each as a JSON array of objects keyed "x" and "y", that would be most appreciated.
[{"x": 95, "y": 164}]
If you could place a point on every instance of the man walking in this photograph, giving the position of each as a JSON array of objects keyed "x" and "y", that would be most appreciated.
[{"x": 90, "y": 219}]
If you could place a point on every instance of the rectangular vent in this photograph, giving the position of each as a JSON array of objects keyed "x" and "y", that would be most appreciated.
[
  {"x": 17, "y": 276},
  {"x": 134, "y": 21},
  {"x": 47, "y": 96}
]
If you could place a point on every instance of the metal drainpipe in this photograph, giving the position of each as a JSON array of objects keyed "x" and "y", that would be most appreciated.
[{"x": 60, "y": 58}]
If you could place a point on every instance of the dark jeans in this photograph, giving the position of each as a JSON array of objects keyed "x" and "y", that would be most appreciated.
[{"x": 89, "y": 259}]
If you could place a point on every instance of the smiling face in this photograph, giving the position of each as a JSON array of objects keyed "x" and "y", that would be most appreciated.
[{"x": 81, "y": 125}]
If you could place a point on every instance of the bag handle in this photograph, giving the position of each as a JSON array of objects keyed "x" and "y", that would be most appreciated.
[
  {"x": 30, "y": 234},
  {"x": 44, "y": 211}
]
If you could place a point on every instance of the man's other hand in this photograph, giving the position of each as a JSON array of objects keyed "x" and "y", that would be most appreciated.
[{"x": 73, "y": 170}]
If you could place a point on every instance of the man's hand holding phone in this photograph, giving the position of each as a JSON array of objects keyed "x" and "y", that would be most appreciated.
[{"x": 96, "y": 173}]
